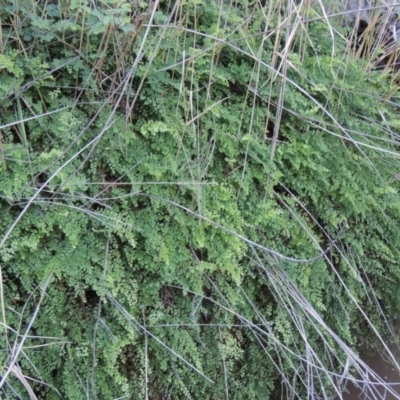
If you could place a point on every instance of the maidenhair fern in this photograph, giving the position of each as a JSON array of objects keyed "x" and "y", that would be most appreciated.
[{"x": 188, "y": 259}]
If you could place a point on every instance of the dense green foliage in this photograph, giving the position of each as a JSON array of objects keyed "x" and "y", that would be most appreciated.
[{"x": 186, "y": 257}]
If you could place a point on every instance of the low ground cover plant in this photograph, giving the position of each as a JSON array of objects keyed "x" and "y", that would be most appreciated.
[{"x": 198, "y": 199}]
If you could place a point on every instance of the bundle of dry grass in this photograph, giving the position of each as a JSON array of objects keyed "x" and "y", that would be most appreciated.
[{"x": 374, "y": 29}]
